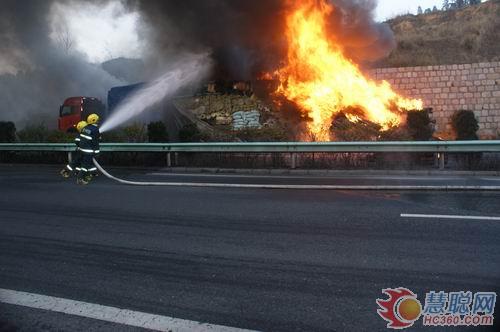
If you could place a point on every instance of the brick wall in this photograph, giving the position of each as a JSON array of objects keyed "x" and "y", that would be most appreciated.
[{"x": 449, "y": 88}]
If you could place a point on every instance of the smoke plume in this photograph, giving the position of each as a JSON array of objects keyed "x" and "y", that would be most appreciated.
[
  {"x": 246, "y": 37},
  {"x": 36, "y": 74}
]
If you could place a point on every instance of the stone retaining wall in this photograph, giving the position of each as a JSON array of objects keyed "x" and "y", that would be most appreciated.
[{"x": 450, "y": 88}]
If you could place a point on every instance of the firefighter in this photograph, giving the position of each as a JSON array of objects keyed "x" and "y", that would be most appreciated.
[
  {"x": 89, "y": 146},
  {"x": 76, "y": 156}
]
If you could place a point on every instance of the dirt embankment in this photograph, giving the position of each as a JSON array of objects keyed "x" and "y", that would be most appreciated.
[{"x": 468, "y": 35}]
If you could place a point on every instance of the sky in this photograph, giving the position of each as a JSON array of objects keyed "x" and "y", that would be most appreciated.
[{"x": 390, "y": 8}]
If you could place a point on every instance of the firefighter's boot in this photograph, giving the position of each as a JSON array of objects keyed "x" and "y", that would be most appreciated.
[
  {"x": 84, "y": 180},
  {"x": 65, "y": 173},
  {"x": 87, "y": 178}
]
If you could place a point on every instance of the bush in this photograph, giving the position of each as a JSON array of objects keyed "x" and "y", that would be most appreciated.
[
  {"x": 157, "y": 132},
  {"x": 7, "y": 132},
  {"x": 114, "y": 136},
  {"x": 135, "y": 133},
  {"x": 39, "y": 133},
  {"x": 190, "y": 133},
  {"x": 419, "y": 124},
  {"x": 465, "y": 125},
  {"x": 56, "y": 136}
]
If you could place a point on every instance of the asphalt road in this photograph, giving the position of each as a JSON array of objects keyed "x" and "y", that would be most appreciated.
[{"x": 269, "y": 260}]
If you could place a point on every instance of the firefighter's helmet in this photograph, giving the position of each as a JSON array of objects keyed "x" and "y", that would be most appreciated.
[
  {"x": 81, "y": 125},
  {"x": 93, "y": 119}
]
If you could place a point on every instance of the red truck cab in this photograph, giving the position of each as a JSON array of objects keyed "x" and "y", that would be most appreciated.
[{"x": 76, "y": 109}]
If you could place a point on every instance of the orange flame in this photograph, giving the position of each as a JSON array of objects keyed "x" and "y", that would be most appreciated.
[{"x": 322, "y": 81}]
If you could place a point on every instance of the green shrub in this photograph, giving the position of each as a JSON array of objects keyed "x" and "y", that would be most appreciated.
[
  {"x": 419, "y": 124},
  {"x": 114, "y": 136},
  {"x": 190, "y": 133},
  {"x": 39, "y": 133},
  {"x": 157, "y": 132},
  {"x": 56, "y": 136},
  {"x": 135, "y": 133},
  {"x": 35, "y": 133},
  {"x": 465, "y": 125},
  {"x": 7, "y": 132}
]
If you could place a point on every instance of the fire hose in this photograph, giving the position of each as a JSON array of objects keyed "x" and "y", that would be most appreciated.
[{"x": 296, "y": 187}]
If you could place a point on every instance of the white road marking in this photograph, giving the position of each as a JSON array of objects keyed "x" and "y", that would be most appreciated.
[
  {"x": 307, "y": 177},
  {"x": 109, "y": 314},
  {"x": 490, "y": 179},
  {"x": 445, "y": 216}
]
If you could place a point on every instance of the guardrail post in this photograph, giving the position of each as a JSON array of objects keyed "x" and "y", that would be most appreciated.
[
  {"x": 169, "y": 160},
  {"x": 293, "y": 157},
  {"x": 176, "y": 158},
  {"x": 70, "y": 157},
  {"x": 441, "y": 157}
]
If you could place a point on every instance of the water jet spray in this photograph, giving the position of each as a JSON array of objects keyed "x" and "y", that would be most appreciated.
[{"x": 190, "y": 71}]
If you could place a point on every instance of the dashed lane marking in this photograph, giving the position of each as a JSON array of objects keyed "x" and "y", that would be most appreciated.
[
  {"x": 445, "y": 216},
  {"x": 109, "y": 314}
]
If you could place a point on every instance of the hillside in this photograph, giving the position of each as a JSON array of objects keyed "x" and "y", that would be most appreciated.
[{"x": 447, "y": 37}]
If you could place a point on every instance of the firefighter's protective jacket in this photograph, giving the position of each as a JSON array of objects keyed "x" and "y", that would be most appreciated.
[
  {"x": 89, "y": 139},
  {"x": 77, "y": 141}
]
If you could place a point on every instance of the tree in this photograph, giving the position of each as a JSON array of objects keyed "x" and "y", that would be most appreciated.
[
  {"x": 446, "y": 4},
  {"x": 428, "y": 11},
  {"x": 474, "y": 2},
  {"x": 434, "y": 9},
  {"x": 460, "y": 3},
  {"x": 420, "y": 11}
]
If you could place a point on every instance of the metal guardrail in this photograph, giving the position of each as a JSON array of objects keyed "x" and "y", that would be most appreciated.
[
  {"x": 294, "y": 148},
  {"x": 274, "y": 147}
]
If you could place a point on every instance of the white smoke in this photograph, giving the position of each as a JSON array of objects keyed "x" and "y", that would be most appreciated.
[{"x": 192, "y": 70}]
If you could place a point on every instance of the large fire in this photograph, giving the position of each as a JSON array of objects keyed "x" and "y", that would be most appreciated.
[{"x": 323, "y": 82}]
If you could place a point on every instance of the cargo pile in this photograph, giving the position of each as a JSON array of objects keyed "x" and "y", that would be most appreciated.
[{"x": 242, "y": 120}]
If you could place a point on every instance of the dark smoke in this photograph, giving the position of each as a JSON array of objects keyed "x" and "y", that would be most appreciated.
[
  {"x": 242, "y": 35},
  {"x": 247, "y": 38},
  {"x": 354, "y": 26},
  {"x": 46, "y": 74}
]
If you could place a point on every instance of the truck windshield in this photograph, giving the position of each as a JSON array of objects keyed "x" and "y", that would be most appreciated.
[{"x": 67, "y": 110}]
